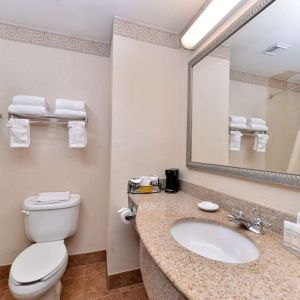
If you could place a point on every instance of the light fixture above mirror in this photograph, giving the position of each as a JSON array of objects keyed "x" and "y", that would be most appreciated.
[{"x": 213, "y": 15}]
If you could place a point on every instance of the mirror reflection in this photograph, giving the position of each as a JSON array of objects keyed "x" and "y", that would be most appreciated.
[{"x": 246, "y": 95}]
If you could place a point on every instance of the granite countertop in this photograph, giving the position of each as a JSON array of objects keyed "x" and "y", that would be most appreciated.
[{"x": 274, "y": 275}]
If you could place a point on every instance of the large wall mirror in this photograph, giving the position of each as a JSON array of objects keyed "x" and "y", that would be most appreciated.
[{"x": 244, "y": 99}]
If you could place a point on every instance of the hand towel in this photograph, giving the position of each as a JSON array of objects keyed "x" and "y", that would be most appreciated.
[
  {"x": 237, "y": 119},
  {"x": 256, "y": 121},
  {"x": 70, "y": 113},
  {"x": 19, "y": 133},
  {"x": 29, "y": 100},
  {"x": 28, "y": 110},
  {"x": 260, "y": 144},
  {"x": 235, "y": 140},
  {"x": 70, "y": 104},
  {"x": 77, "y": 134},
  {"x": 238, "y": 126},
  {"x": 52, "y": 197},
  {"x": 257, "y": 127}
]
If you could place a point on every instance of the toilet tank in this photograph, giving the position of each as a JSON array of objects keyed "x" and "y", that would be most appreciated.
[{"x": 51, "y": 222}]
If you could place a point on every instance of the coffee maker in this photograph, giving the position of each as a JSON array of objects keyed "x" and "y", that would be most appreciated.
[{"x": 172, "y": 180}]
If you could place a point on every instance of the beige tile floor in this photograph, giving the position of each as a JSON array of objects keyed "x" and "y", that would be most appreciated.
[{"x": 88, "y": 282}]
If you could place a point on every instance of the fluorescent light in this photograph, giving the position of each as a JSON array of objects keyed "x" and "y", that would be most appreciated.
[{"x": 211, "y": 16}]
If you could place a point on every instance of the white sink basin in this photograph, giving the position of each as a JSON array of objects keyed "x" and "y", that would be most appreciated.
[{"x": 215, "y": 242}]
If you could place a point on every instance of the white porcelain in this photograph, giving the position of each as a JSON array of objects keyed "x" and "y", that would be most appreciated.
[
  {"x": 215, "y": 242},
  {"x": 36, "y": 272},
  {"x": 51, "y": 222},
  {"x": 208, "y": 206},
  {"x": 43, "y": 290}
]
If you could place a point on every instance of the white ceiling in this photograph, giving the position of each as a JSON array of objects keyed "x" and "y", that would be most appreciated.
[
  {"x": 280, "y": 22},
  {"x": 92, "y": 19}
]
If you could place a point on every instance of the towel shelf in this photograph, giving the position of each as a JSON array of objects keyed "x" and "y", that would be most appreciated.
[
  {"x": 46, "y": 120},
  {"x": 249, "y": 132}
]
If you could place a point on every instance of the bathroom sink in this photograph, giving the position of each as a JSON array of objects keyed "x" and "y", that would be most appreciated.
[{"x": 215, "y": 242}]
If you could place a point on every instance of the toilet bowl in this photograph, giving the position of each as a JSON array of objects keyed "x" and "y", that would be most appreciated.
[{"x": 36, "y": 272}]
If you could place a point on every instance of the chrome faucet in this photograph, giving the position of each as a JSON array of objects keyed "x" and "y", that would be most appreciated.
[{"x": 254, "y": 224}]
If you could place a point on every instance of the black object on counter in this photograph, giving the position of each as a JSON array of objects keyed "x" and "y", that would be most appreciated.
[{"x": 172, "y": 180}]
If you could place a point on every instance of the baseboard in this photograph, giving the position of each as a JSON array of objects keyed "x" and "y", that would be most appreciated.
[
  {"x": 123, "y": 279},
  {"x": 86, "y": 258}
]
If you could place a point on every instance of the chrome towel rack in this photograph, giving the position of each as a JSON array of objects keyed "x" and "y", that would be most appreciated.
[{"x": 46, "y": 120}]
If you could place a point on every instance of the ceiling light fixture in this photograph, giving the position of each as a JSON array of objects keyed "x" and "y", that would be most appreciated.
[
  {"x": 213, "y": 15},
  {"x": 278, "y": 46}
]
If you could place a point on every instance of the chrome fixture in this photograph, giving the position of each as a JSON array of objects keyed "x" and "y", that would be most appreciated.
[{"x": 254, "y": 224}]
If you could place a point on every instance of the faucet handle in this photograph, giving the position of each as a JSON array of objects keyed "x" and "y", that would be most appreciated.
[{"x": 257, "y": 217}]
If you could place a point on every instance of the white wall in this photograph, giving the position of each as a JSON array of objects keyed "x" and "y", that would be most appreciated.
[
  {"x": 210, "y": 95},
  {"x": 283, "y": 116},
  {"x": 49, "y": 165},
  {"x": 143, "y": 141}
]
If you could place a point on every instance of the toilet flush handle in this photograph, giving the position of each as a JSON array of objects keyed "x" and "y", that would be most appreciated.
[{"x": 26, "y": 212}]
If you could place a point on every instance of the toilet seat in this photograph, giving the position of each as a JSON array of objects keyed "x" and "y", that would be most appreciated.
[{"x": 38, "y": 262}]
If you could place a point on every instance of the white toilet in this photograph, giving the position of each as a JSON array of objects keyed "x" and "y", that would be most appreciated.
[{"x": 36, "y": 272}]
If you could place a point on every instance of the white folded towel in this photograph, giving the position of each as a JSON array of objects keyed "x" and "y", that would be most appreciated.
[
  {"x": 256, "y": 121},
  {"x": 77, "y": 134},
  {"x": 237, "y": 119},
  {"x": 70, "y": 113},
  {"x": 257, "y": 127},
  {"x": 260, "y": 143},
  {"x": 70, "y": 104},
  {"x": 28, "y": 110},
  {"x": 238, "y": 126},
  {"x": 235, "y": 140},
  {"x": 19, "y": 133},
  {"x": 29, "y": 100},
  {"x": 52, "y": 197}
]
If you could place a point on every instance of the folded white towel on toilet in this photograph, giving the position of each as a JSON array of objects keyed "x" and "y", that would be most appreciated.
[
  {"x": 69, "y": 104},
  {"x": 52, "y": 197},
  {"x": 29, "y": 100},
  {"x": 77, "y": 134},
  {"x": 19, "y": 133},
  {"x": 70, "y": 113},
  {"x": 28, "y": 110}
]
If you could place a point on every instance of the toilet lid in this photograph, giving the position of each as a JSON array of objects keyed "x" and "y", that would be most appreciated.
[{"x": 38, "y": 261}]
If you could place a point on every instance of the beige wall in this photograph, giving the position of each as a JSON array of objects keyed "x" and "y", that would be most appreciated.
[
  {"x": 49, "y": 165},
  {"x": 144, "y": 98},
  {"x": 210, "y": 100},
  {"x": 248, "y": 100},
  {"x": 283, "y": 116}
]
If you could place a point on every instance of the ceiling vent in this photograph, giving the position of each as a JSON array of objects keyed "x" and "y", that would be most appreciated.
[{"x": 279, "y": 46}]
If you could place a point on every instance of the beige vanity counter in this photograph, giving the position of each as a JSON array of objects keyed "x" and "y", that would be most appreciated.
[{"x": 274, "y": 275}]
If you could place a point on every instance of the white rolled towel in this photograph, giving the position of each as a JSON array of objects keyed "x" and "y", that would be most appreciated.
[
  {"x": 256, "y": 121},
  {"x": 70, "y": 113},
  {"x": 77, "y": 134},
  {"x": 29, "y": 100},
  {"x": 19, "y": 133},
  {"x": 237, "y": 119},
  {"x": 257, "y": 127},
  {"x": 28, "y": 110},
  {"x": 69, "y": 104},
  {"x": 238, "y": 126}
]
